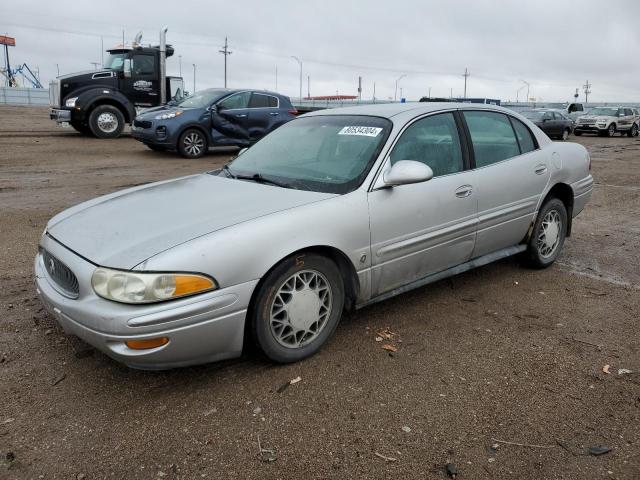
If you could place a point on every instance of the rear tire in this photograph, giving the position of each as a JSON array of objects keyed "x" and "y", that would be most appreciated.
[
  {"x": 298, "y": 307},
  {"x": 192, "y": 143},
  {"x": 106, "y": 121},
  {"x": 548, "y": 235}
]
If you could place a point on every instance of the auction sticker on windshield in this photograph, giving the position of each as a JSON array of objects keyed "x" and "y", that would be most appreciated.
[{"x": 366, "y": 131}]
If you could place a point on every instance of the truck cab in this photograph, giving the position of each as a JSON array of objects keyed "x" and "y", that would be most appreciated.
[{"x": 101, "y": 102}]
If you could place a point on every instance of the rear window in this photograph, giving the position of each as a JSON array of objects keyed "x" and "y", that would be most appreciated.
[
  {"x": 492, "y": 137},
  {"x": 259, "y": 100},
  {"x": 525, "y": 139}
]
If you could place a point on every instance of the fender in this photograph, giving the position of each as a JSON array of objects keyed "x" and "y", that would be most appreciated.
[{"x": 96, "y": 95}]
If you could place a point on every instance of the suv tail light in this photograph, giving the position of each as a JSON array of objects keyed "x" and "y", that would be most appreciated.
[{"x": 293, "y": 112}]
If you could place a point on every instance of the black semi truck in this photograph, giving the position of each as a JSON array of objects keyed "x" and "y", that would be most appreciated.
[{"x": 101, "y": 102}]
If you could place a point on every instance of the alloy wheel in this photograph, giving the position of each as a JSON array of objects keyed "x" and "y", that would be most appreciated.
[
  {"x": 300, "y": 309},
  {"x": 549, "y": 236},
  {"x": 193, "y": 144}
]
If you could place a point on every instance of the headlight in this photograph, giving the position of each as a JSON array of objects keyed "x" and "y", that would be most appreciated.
[
  {"x": 165, "y": 116},
  {"x": 140, "y": 287},
  {"x": 71, "y": 102}
]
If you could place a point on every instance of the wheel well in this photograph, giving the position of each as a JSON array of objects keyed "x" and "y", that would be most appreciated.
[
  {"x": 113, "y": 103},
  {"x": 347, "y": 270},
  {"x": 564, "y": 193}
]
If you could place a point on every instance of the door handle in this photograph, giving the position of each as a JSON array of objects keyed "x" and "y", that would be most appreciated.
[
  {"x": 540, "y": 169},
  {"x": 464, "y": 191},
  {"x": 241, "y": 115},
  {"x": 273, "y": 114}
]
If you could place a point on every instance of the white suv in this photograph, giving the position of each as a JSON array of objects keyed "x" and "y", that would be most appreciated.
[{"x": 607, "y": 121}]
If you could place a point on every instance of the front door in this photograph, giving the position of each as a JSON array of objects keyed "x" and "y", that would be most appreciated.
[
  {"x": 143, "y": 87},
  {"x": 230, "y": 121},
  {"x": 511, "y": 174},
  {"x": 426, "y": 227}
]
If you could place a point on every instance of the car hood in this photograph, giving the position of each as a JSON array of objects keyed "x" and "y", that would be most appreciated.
[{"x": 123, "y": 229}]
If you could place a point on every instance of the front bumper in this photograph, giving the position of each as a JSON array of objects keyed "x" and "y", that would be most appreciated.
[
  {"x": 60, "y": 115},
  {"x": 160, "y": 135},
  {"x": 203, "y": 328}
]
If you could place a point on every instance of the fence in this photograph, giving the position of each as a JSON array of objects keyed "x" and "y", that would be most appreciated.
[{"x": 24, "y": 96}]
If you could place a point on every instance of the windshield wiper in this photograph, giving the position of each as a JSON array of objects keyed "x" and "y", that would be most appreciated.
[{"x": 256, "y": 177}]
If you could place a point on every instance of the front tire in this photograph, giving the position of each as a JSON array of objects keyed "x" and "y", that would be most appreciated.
[
  {"x": 633, "y": 131},
  {"x": 192, "y": 144},
  {"x": 106, "y": 121},
  {"x": 298, "y": 307},
  {"x": 611, "y": 131},
  {"x": 549, "y": 233}
]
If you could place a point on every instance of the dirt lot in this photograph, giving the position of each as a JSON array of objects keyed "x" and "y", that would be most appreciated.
[{"x": 499, "y": 353}]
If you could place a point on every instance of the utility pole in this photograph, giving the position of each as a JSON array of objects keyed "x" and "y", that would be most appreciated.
[
  {"x": 374, "y": 92},
  {"x": 451, "y": 93},
  {"x": 429, "y": 92},
  {"x": 395, "y": 95},
  {"x": 194, "y": 78},
  {"x": 587, "y": 90},
  {"x": 400, "y": 93},
  {"x": 308, "y": 86},
  {"x": 359, "y": 89},
  {"x": 276, "y": 78},
  {"x": 102, "y": 49},
  {"x": 466, "y": 75},
  {"x": 527, "y": 84},
  {"x": 180, "y": 64},
  {"x": 58, "y": 69},
  {"x": 300, "y": 63},
  {"x": 226, "y": 52},
  {"x": 123, "y": 38}
]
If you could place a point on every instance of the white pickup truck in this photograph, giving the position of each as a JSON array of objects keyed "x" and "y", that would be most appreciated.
[{"x": 607, "y": 121}]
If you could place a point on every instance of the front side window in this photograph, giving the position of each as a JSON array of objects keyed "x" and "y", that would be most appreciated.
[
  {"x": 143, "y": 65},
  {"x": 434, "y": 141},
  {"x": 258, "y": 100},
  {"x": 235, "y": 101},
  {"x": 525, "y": 139},
  {"x": 202, "y": 99},
  {"x": 492, "y": 137},
  {"x": 329, "y": 153},
  {"x": 628, "y": 111}
]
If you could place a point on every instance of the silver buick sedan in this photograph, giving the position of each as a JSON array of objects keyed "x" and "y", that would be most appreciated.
[{"x": 334, "y": 210}]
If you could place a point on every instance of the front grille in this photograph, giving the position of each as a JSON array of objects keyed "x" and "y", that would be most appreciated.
[
  {"x": 60, "y": 274},
  {"x": 588, "y": 121},
  {"x": 54, "y": 93},
  {"x": 142, "y": 123}
]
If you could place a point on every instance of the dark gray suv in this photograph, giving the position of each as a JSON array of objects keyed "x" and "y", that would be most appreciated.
[{"x": 212, "y": 118}]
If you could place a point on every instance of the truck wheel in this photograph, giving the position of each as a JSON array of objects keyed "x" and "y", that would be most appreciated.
[
  {"x": 192, "y": 144},
  {"x": 633, "y": 131},
  {"x": 81, "y": 128},
  {"x": 611, "y": 131},
  {"x": 106, "y": 121}
]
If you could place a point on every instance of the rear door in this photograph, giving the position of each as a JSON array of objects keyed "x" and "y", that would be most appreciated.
[
  {"x": 426, "y": 227},
  {"x": 511, "y": 173},
  {"x": 264, "y": 113}
]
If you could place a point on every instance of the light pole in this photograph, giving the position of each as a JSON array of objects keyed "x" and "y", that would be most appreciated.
[
  {"x": 180, "y": 64},
  {"x": 395, "y": 95},
  {"x": 194, "y": 78},
  {"x": 518, "y": 93},
  {"x": 527, "y": 84},
  {"x": 300, "y": 63},
  {"x": 429, "y": 92}
]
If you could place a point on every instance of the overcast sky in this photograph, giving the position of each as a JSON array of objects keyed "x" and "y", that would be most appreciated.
[{"x": 555, "y": 46}]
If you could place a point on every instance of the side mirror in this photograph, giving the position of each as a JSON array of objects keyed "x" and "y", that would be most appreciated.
[
  {"x": 213, "y": 108},
  {"x": 127, "y": 68},
  {"x": 405, "y": 172}
]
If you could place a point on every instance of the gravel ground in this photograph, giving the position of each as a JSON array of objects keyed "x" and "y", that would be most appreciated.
[{"x": 496, "y": 355}]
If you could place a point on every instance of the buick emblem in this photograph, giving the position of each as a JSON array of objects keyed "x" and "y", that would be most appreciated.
[{"x": 52, "y": 266}]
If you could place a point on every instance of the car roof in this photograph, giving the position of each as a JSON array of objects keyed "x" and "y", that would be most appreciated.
[
  {"x": 237, "y": 90},
  {"x": 390, "y": 110}
]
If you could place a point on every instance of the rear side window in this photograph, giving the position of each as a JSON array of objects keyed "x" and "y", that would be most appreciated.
[
  {"x": 627, "y": 111},
  {"x": 525, "y": 139},
  {"x": 433, "y": 141},
  {"x": 259, "y": 100},
  {"x": 492, "y": 137}
]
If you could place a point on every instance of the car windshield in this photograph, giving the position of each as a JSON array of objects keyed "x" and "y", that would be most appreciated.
[
  {"x": 115, "y": 61},
  {"x": 533, "y": 115},
  {"x": 202, "y": 99},
  {"x": 330, "y": 153},
  {"x": 608, "y": 112}
]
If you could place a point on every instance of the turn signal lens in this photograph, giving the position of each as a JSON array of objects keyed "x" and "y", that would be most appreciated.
[
  {"x": 147, "y": 343},
  {"x": 140, "y": 287}
]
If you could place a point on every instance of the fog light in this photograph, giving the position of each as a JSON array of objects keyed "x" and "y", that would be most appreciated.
[
  {"x": 161, "y": 132},
  {"x": 147, "y": 343}
]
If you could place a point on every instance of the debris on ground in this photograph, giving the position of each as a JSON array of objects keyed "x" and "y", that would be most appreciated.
[
  {"x": 295, "y": 380},
  {"x": 257, "y": 411},
  {"x": 597, "y": 451},
  {"x": 452, "y": 470},
  {"x": 406, "y": 429},
  {"x": 605, "y": 369},
  {"x": 8, "y": 420},
  {"x": 265, "y": 454},
  {"x": 530, "y": 445},
  {"x": 384, "y": 457},
  {"x": 284, "y": 386},
  {"x": 386, "y": 334},
  {"x": 624, "y": 371},
  {"x": 389, "y": 348},
  {"x": 59, "y": 379}
]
